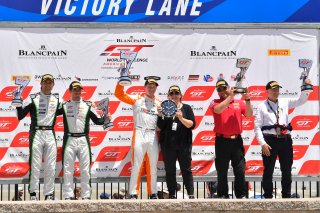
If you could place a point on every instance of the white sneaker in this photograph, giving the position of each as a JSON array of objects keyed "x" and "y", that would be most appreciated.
[{"x": 33, "y": 197}]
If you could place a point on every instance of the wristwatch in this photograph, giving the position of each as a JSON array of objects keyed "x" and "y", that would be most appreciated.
[{"x": 169, "y": 108}]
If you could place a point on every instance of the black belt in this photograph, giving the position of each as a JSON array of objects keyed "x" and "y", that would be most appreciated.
[
  {"x": 288, "y": 127},
  {"x": 76, "y": 135},
  {"x": 228, "y": 136},
  {"x": 43, "y": 127},
  {"x": 277, "y": 136}
]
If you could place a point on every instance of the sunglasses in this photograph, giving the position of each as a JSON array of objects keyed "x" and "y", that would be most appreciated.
[
  {"x": 220, "y": 89},
  {"x": 174, "y": 93}
]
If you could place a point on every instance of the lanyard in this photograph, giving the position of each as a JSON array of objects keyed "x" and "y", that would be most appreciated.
[{"x": 274, "y": 112}]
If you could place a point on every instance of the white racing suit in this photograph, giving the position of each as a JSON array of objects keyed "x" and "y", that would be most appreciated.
[
  {"x": 42, "y": 140},
  {"x": 145, "y": 147},
  {"x": 76, "y": 120}
]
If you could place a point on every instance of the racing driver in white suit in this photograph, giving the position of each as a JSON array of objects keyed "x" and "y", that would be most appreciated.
[
  {"x": 76, "y": 116},
  {"x": 42, "y": 107},
  {"x": 144, "y": 146}
]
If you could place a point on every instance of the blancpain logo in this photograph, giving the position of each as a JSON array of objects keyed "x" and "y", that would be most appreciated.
[
  {"x": 3, "y": 140},
  {"x": 106, "y": 169},
  {"x": 120, "y": 139},
  {"x": 131, "y": 40},
  {"x": 126, "y": 109},
  {"x": 20, "y": 155},
  {"x": 107, "y": 93},
  {"x": 43, "y": 53},
  {"x": 203, "y": 153},
  {"x": 163, "y": 93},
  {"x": 213, "y": 53},
  {"x": 300, "y": 138},
  {"x": 288, "y": 93},
  {"x": 196, "y": 108},
  {"x": 209, "y": 123},
  {"x": 7, "y": 109}
]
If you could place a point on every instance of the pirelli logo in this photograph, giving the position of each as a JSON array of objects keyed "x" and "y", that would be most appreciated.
[{"x": 279, "y": 52}]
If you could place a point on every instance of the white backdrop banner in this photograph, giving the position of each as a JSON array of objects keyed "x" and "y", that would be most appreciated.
[{"x": 192, "y": 59}]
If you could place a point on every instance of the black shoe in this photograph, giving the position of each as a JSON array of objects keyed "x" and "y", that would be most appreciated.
[
  {"x": 86, "y": 198},
  {"x": 49, "y": 197},
  {"x": 172, "y": 197},
  {"x": 133, "y": 197},
  {"x": 154, "y": 196},
  {"x": 266, "y": 196},
  {"x": 69, "y": 198},
  {"x": 33, "y": 196},
  {"x": 224, "y": 197},
  {"x": 191, "y": 196}
]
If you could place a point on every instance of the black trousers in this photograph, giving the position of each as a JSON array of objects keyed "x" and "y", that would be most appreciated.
[
  {"x": 281, "y": 147},
  {"x": 227, "y": 150},
  {"x": 170, "y": 156}
]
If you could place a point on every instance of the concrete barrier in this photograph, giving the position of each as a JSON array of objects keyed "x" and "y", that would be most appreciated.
[{"x": 197, "y": 205}]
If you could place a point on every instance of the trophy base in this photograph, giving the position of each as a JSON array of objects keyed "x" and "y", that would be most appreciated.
[
  {"x": 108, "y": 126},
  {"x": 239, "y": 90},
  {"x": 307, "y": 88},
  {"x": 16, "y": 103},
  {"x": 124, "y": 81}
]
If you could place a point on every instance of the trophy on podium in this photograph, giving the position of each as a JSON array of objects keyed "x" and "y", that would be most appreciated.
[
  {"x": 243, "y": 64},
  {"x": 22, "y": 84},
  {"x": 103, "y": 105},
  {"x": 129, "y": 57},
  {"x": 306, "y": 64}
]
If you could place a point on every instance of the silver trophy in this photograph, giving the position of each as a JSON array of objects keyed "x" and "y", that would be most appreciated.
[
  {"x": 243, "y": 64},
  {"x": 306, "y": 64},
  {"x": 22, "y": 84},
  {"x": 104, "y": 106},
  {"x": 129, "y": 57}
]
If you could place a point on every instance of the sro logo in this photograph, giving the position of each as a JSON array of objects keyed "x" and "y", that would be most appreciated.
[
  {"x": 6, "y": 94},
  {"x": 198, "y": 93},
  {"x": 257, "y": 93},
  {"x": 204, "y": 138},
  {"x": 207, "y": 138},
  {"x": 12, "y": 170},
  {"x": 114, "y": 50},
  {"x": 4, "y": 124},
  {"x": 196, "y": 168},
  {"x": 247, "y": 123},
  {"x": 303, "y": 123},
  {"x": 111, "y": 154},
  {"x": 8, "y": 124},
  {"x": 20, "y": 140},
  {"x": 201, "y": 167},
  {"x": 255, "y": 169},
  {"x": 124, "y": 124}
]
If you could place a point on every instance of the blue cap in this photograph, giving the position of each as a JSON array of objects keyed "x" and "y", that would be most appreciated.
[{"x": 104, "y": 195}]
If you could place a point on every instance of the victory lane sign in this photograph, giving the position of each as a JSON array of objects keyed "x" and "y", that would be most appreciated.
[{"x": 112, "y": 7}]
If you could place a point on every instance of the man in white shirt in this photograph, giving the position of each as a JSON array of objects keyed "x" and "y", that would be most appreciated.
[{"x": 272, "y": 129}]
